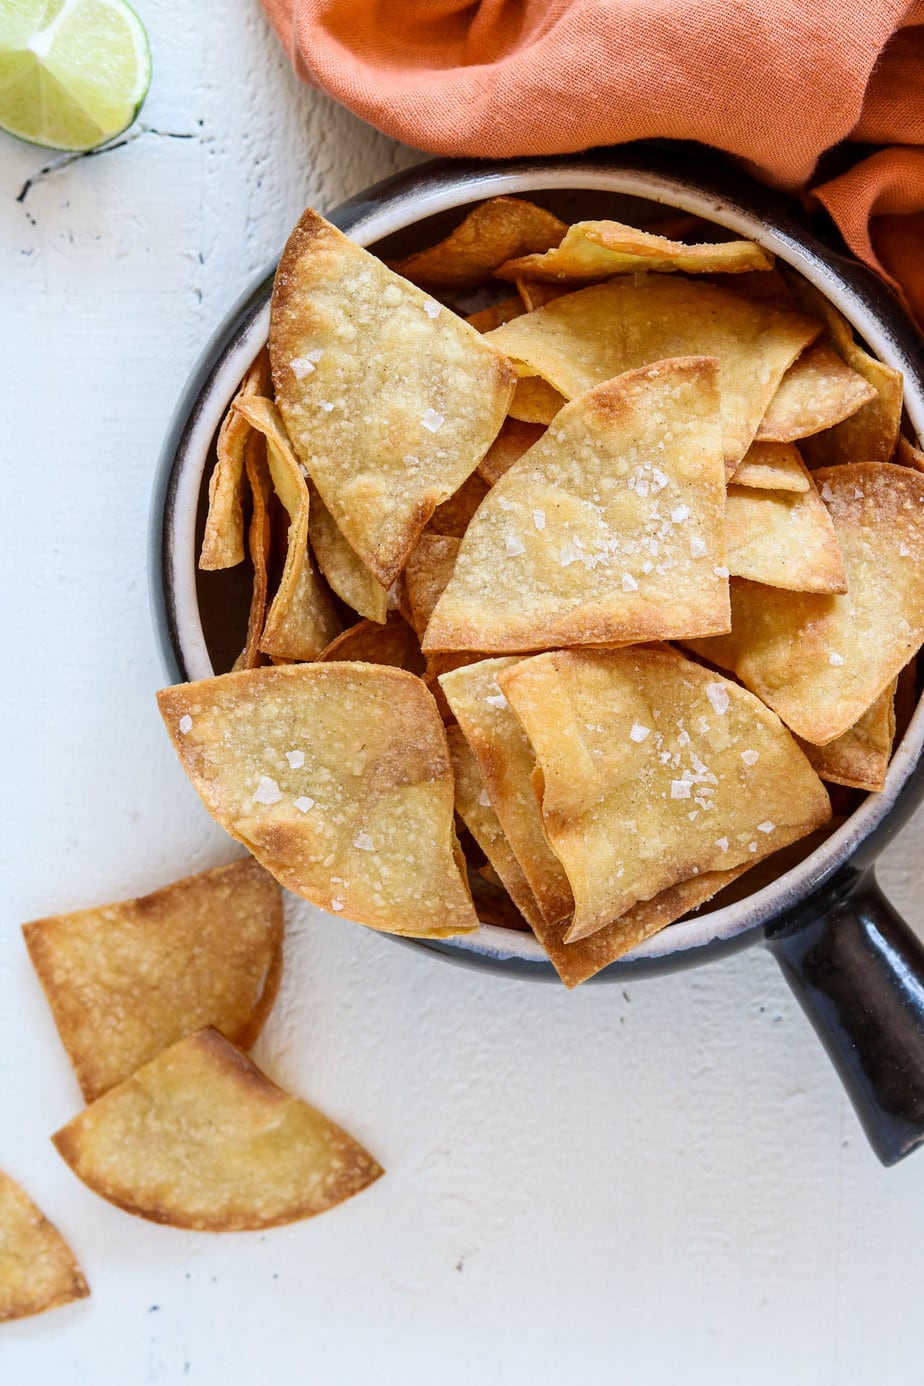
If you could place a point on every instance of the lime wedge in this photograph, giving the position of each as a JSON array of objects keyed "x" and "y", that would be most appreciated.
[{"x": 73, "y": 73}]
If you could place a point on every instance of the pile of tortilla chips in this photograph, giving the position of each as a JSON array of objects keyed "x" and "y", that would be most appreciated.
[{"x": 602, "y": 579}]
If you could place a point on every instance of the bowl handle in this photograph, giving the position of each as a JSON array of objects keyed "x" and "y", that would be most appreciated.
[{"x": 857, "y": 970}]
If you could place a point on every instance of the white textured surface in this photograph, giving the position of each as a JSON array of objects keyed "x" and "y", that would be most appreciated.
[{"x": 663, "y": 1184}]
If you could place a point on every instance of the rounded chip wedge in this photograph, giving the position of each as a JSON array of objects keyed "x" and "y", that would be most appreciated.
[
  {"x": 37, "y": 1267},
  {"x": 200, "y": 1138},
  {"x": 337, "y": 777}
]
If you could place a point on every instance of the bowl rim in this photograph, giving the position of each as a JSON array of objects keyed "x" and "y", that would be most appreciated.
[{"x": 711, "y": 191}]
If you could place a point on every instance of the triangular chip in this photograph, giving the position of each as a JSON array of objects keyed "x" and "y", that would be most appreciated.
[
  {"x": 534, "y": 294},
  {"x": 535, "y": 401},
  {"x": 259, "y": 540},
  {"x": 818, "y": 391},
  {"x": 590, "y": 336},
  {"x": 652, "y": 769},
  {"x": 860, "y": 758},
  {"x": 508, "y": 447},
  {"x": 486, "y": 319},
  {"x": 610, "y": 529},
  {"x": 493, "y": 232},
  {"x": 783, "y": 539},
  {"x": 368, "y": 642},
  {"x": 200, "y": 1138},
  {"x": 474, "y": 808},
  {"x": 37, "y": 1267},
  {"x": 390, "y": 400},
  {"x": 223, "y": 540},
  {"x": 428, "y": 570},
  {"x": 343, "y": 568},
  {"x": 507, "y": 761},
  {"x": 596, "y": 249},
  {"x": 771, "y": 467},
  {"x": 906, "y": 455},
  {"x": 454, "y": 515},
  {"x": 337, "y": 777},
  {"x": 301, "y": 620},
  {"x": 126, "y": 980},
  {"x": 820, "y": 661}
]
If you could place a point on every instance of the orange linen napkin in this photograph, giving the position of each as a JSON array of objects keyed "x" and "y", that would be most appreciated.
[{"x": 774, "y": 82}]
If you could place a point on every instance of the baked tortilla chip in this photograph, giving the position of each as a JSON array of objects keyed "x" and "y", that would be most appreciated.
[
  {"x": 507, "y": 761},
  {"x": 821, "y": 661},
  {"x": 454, "y": 516},
  {"x": 390, "y": 400},
  {"x": 860, "y": 758},
  {"x": 652, "y": 769},
  {"x": 906, "y": 455},
  {"x": 783, "y": 539},
  {"x": 367, "y": 642},
  {"x": 37, "y": 1267},
  {"x": 597, "y": 249},
  {"x": 508, "y": 447},
  {"x": 301, "y": 620},
  {"x": 346, "y": 573},
  {"x": 200, "y": 1138},
  {"x": 259, "y": 540},
  {"x": 611, "y": 527},
  {"x": 535, "y": 401},
  {"x": 493, "y": 232},
  {"x": 474, "y": 808},
  {"x": 534, "y": 294},
  {"x": 818, "y": 391},
  {"x": 587, "y": 337},
  {"x": 486, "y": 319},
  {"x": 124, "y": 981},
  {"x": 428, "y": 570},
  {"x": 223, "y": 540},
  {"x": 337, "y": 777},
  {"x": 772, "y": 467}
]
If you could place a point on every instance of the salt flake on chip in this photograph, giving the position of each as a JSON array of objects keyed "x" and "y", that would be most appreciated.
[
  {"x": 186, "y": 724},
  {"x": 303, "y": 803},
  {"x": 750, "y": 757},
  {"x": 266, "y": 792},
  {"x": 680, "y": 789},
  {"x": 496, "y": 700},
  {"x": 835, "y": 659},
  {"x": 717, "y": 694},
  {"x": 766, "y": 827},
  {"x": 432, "y": 421},
  {"x": 296, "y": 759},
  {"x": 364, "y": 842},
  {"x": 539, "y": 519},
  {"x": 639, "y": 733},
  {"x": 431, "y": 309},
  {"x": 513, "y": 546}
]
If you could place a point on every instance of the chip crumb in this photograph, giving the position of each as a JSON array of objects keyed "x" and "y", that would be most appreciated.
[
  {"x": 296, "y": 759},
  {"x": 750, "y": 757},
  {"x": 266, "y": 792},
  {"x": 638, "y": 732},
  {"x": 431, "y": 309},
  {"x": 364, "y": 842},
  {"x": 432, "y": 421},
  {"x": 185, "y": 724},
  {"x": 717, "y": 694},
  {"x": 303, "y": 803},
  {"x": 766, "y": 827},
  {"x": 680, "y": 789},
  {"x": 835, "y": 659}
]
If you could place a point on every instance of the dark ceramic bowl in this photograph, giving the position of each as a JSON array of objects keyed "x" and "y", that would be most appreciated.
[{"x": 856, "y": 968}]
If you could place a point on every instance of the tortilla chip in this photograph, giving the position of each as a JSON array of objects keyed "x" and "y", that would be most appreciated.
[
  {"x": 453, "y": 516},
  {"x": 596, "y": 249},
  {"x": 438, "y": 664},
  {"x": 259, "y": 541},
  {"x": 646, "y": 773},
  {"x": 486, "y": 319},
  {"x": 337, "y": 777},
  {"x": 588, "y": 337},
  {"x": 534, "y": 294},
  {"x": 772, "y": 467},
  {"x": 870, "y": 434},
  {"x": 346, "y": 573},
  {"x": 506, "y": 761},
  {"x": 535, "y": 401},
  {"x": 474, "y": 808},
  {"x": 859, "y": 758},
  {"x": 491, "y": 233},
  {"x": 223, "y": 540},
  {"x": 821, "y": 661},
  {"x": 611, "y": 527},
  {"x": 492, "y": 903},
  {"x": 783, "y": 539},
  {"x": 200, "y": 1138},
  {"x": 301, "y": 620},
  {"x": 367, "y": 642},
  {"x": 428, "y": 570},
  {"x": 818, "y": 391},
  {"x": 124, "y": 981},
  {"x": 508, "y": 447},
  {"x": 390, "y": 400},
  {"x": 37, "y": 1267},
  {"x": 906, "y": 455}
]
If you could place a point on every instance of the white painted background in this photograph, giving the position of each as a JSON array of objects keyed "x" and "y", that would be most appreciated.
[{"x": 663, "y": 1185}]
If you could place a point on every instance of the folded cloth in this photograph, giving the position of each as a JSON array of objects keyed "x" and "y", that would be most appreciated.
[{"x": 773, "y": 82}]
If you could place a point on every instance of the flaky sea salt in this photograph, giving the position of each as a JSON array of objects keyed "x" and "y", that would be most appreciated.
[
  {"x": 303, "y": 803},
  {"x": 266, "y": 792},
  {"x": 750, "y": 757},
  {"x": 720, "y": 571},
  {"x": 336, "y": 904},
  {"x": 628, "y": 583},
  {"x": 410, "y": 461},
  {"x": 826, "y": 493},
  {"x": 539, "y": 519},
  {"x": 835, "y": 659},
  {"x": 432, "y": 421},
  {"x": 185, "y": 724},
  {"x": 680, "y": 513},
  {"x": 431, "y": 309},
  {"x": 752, "y": 846},
  {"x": 722, "y": 844},
  {"x": 496, "y": 700},
  {"x": 903, "y": 550},
  {"x": 326, "y": 405},
  {"x": 680, "y": 789},
  {"x": 296, "y": 759},
  {"x": 697, "y": 546},
  {"x": 484, "y": 799},
  {"x": 766, "y": 827},
  {"x": 638, "y": 732},
  {"x": 683, "y": 738},
  {"x": 568, "y": 553},
  {"x": 717, "y": 694},
  {"x": 504, "y": 504},
  {"x": 364, "y": 842},
  {"x": 513, "y": 546}
]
